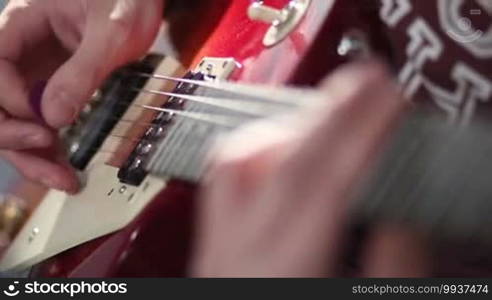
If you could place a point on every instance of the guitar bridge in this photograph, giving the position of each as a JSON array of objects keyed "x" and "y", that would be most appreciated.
[{"x": 134, "y": 170}]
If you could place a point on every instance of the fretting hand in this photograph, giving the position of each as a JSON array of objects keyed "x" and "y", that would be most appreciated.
[{"x": 275, "y": 202}]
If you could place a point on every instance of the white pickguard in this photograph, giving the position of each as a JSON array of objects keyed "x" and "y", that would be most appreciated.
[
  {"x": 62, "y": 221},
  {"x": 104, "y": 205}
]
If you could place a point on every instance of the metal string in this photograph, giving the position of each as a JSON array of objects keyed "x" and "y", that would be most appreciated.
[
  {"x": 254, "y": 108},
  {"x": 264, "y": 105},
  {"x": 286, "y": 95}
]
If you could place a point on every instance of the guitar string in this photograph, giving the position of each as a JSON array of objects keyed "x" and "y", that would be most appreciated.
[
  {"x": 176, "y": 113},
  {"x": 267, "y": 93},
  {"x": 209, "y": 118},
  {"x": 257, "y": 108},
  {"x": 217, "y": 99},
  {"x": 257, "y": 112},
  {"x": 216, "y": 119}
]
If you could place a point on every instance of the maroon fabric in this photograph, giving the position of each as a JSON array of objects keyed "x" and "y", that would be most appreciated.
[
  {"x": 443, "y": 52},
  {"x": 443, "y": 49}
]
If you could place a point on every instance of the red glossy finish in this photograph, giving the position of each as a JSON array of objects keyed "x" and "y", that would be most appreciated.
[
  {"x": 238, "y": 37},
  {"x": 157, "y": 242}
]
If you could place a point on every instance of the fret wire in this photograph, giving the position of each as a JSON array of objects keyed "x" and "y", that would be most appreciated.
[
  {"x": 192, "y": 155},
  {"x": 187, "y": 145},
  {"x": 172, "y": 145},
  {"x": 190, "y": 167},
  {"x": 175, "y": 144},
  {"x": 168, "y": 145},
  {"x": 191, "y": 147},
  {"x": 179, "y": 148}
]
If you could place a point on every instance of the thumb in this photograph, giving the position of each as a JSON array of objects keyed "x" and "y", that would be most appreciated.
[{"x": 72, "y": 85}]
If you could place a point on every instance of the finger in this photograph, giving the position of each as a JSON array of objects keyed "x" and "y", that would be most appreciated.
[
  {"x": 396, "y": 252},
  {"x": 14, "y": 96},
  {"x": 348, "y": 130},
  {"x": 252, "y": 162},
  {"x": 322, "y": 167},
  {"x": 53, "y": 175},
  {"x": 19, "y": 26},
  {"x": 17, "y": 135},
  {"x": 102, "y": 50}
]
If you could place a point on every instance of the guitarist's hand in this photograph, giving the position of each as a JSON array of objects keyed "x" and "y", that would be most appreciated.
[
  {"x": 73, "y": 45},
  {"x": 275, "y": 201}
]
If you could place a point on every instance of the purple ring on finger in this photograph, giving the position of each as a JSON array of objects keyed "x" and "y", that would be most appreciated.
[{"x": 35, "y": 97}]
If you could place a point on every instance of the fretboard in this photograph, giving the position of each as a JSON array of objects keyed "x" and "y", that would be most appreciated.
[
  {"x": 436, "y": 177},
  {"x": 181, "y": 153}
]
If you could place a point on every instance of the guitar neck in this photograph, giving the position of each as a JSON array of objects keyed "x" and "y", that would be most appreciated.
[{"x": 432, "y": 176}]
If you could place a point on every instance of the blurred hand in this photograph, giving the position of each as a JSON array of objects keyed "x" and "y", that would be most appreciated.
[
  {"x": 275, "y": 201},
  {"x": 73, "y": 45}
]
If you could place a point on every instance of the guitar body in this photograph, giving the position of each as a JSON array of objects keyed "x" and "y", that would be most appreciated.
[{"x": 157, "y": 242}]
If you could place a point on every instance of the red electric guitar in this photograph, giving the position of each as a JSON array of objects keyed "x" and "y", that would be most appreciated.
[
  {"x": 139, "y": 147},
  {"x": 273, "y": 43}
]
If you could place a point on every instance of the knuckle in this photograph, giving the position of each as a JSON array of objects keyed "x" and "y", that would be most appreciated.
[
  {"x": 121, "y": 20},
  {"x": 360, "y": 79},
  {"x": 120, "y": 26},
  {"x": 360, "y": 87},
  {"x": 118, "y": 32},
  {"x": 14, "y": 12},
  {"x": 230, "y": 166},
  {"x": 236, "y": 169}
]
